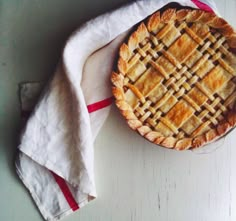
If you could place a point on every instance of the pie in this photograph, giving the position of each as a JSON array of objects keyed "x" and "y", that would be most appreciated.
[{"x": 175, "y": 81}]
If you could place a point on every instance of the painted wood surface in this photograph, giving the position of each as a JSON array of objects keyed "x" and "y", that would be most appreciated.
[{"x": 136, "y": 180}]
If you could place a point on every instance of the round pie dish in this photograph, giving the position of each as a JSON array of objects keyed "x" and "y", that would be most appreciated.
[{"x": 175, "y": 78}]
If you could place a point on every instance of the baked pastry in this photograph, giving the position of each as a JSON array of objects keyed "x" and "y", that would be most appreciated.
[{"x": 175, "y": 78}]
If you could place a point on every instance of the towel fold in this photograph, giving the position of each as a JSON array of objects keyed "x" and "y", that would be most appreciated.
[{"x": 56, "y": 152}]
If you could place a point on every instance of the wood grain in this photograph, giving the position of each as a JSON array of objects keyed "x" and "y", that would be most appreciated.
[{"x": 138, "y": 181}]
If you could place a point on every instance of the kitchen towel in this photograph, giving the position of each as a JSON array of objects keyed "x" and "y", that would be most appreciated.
[{"x": 55, "y": 160}]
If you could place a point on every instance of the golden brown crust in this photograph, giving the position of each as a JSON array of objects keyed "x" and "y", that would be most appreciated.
[
  {"x": 232, "y": 119},
  {"x": 164, "y": 131},
  {"x": 211, "y": 135},
  {"x": 122, "y": 65},
  {"x": 125, "y": 52},
  {"x": 198, "y": 141},
  {"x": 218, "y": 23},
  {"x": 183, "y": 144},
  {"x": 232, "y": 41},
  {"x": 122, "y": 105},
  {"x": 194, "y": 15},
  {"x": 152, "y": 136},
  {"x": 118, "y": 93},
  {"x": 117, "y": 80},
  {"x": 182, "y": 14},
  {"x": 168, "y": 15},
  {"x": 143, "y": 130},
  {"x": 134, "y": 124},
  {"x": 169, "y": 142},
  {"x": 223, "y": 128},
  {"x": 153, "y": 22},
  {"x": 142, "y": 32},
  {"x": 129, "y": 115}
]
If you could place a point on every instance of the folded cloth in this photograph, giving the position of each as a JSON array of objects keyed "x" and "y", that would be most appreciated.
[{"x": 56, "y": 155}]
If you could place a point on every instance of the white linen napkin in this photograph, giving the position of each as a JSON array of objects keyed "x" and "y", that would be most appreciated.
[{"x": 55, "y": 159}]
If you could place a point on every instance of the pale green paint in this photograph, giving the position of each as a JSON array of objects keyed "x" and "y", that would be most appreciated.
[
  {"x": 135, "y": 180},
  {"x": 32, "y": 35}
]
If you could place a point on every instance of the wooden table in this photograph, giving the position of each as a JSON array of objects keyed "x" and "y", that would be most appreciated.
[{"x": 136, "y": 181}]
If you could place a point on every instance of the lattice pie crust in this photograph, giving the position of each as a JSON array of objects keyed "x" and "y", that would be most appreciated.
[{"x": 175, "y": 80}]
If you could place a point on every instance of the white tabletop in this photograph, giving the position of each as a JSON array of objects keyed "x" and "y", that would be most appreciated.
[{"x": 136, "y": 180}]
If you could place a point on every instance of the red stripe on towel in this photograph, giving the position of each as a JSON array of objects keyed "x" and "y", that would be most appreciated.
[
  {"x": 66, "y": 191},
  {"x": 99, "y": 105},
  {"x": 202, "y": 5},
  {"x": 59, "y": 180}
]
